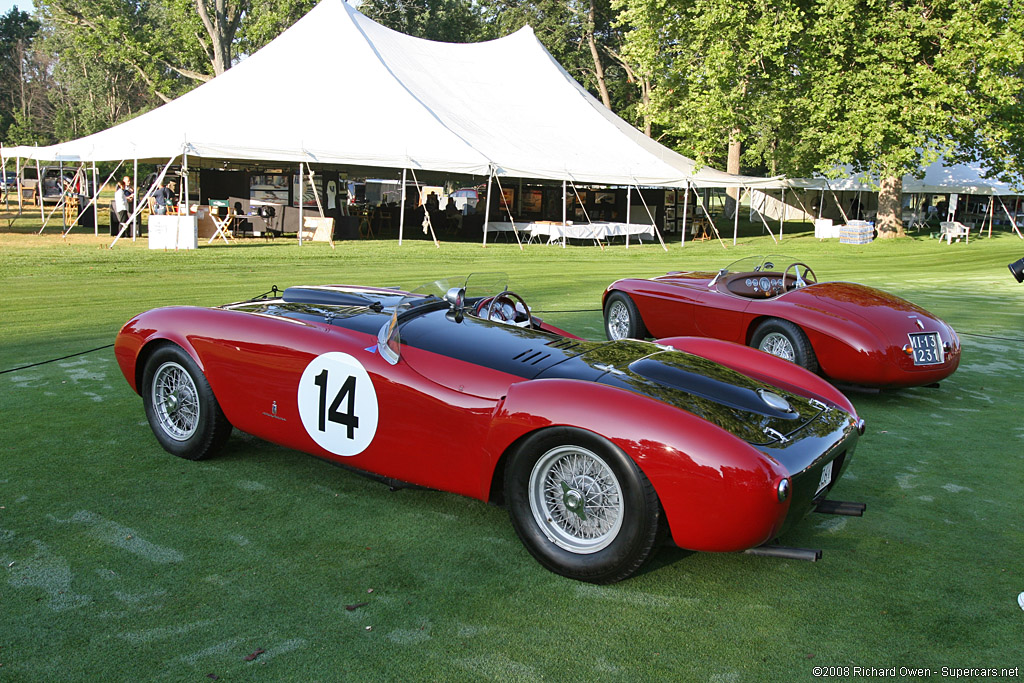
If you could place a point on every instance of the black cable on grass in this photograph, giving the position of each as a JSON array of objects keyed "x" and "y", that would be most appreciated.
[
  {"x": 989, "y": 336},
  {"x": 54, "y": 360}
]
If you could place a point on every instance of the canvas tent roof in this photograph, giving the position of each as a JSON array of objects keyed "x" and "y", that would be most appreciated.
[
  {"x": 939, "y": 178},
  {"x": 338, "y": 88}
]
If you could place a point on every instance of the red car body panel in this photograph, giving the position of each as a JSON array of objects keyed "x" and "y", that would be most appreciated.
[{"x": 858, "y": 333}]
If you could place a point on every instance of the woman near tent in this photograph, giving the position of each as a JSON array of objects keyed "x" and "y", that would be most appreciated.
[{"x": 121, "y": 205}]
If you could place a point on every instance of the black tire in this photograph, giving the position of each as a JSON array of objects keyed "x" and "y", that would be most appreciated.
[
  {"x": 622, "y": 318},
  {"x": 180, "y": 406},
  {"x": 786, "y": 340},
  {"x": 554, "y": 478}
]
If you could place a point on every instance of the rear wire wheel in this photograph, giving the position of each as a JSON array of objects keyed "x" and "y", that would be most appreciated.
[
  {"x": 180, "y": 406},
  {"x": 581, "y": 506},
  {"x": 787, "y": 341}
]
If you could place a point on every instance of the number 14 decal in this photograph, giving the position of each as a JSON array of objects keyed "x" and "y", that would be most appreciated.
[
  {"x": 338, "y": 403},
  {"x": 349, "y": 417}
]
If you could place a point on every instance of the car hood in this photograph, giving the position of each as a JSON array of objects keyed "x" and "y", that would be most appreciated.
[{"x": 754, "y": 411}]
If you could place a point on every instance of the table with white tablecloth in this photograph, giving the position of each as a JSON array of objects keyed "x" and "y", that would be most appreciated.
[{"x": 576, "y": 231}]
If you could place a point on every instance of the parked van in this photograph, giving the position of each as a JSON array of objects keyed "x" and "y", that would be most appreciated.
[{"x": 54, "y": 180}]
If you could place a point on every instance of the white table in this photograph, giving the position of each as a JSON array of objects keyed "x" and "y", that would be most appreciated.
[{"x": 576, "y": 231}]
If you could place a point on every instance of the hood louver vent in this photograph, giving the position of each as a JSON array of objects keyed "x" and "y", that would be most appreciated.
[{"x": 532, "y": 357}]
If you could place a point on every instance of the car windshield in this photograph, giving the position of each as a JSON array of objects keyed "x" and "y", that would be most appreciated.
[
  {"x": 446, "y": 292},
  {"x": 760, "y": 264}
]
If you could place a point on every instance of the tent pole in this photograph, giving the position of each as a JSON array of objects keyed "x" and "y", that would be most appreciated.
[
  {"x": 736, "y": 216},
  {"x": 1013, "y": 219},
  {"x": 782, "y": 214},
  {"x": 821, "y": 201},
  {"x": 401, "y": 214},
  {"x": 17, "y": 169},
  {"x": 63, "y": 198},
  {"x": 508, "y": 210},
  {"x": 7, "y": 187},
  {"x": 649, "y": 215},
  {"x": 95, "y": 201},
  {"x": 185, "y": 189},
  {"x": 135, "y": 199},
  {"x": 565, "y": 198},
  {"x": 629, "y": 201},
  {"x": 583, "y": 208},
  {"x": 487, "y": 205},
  {"x": 991, "y": 213},
  {"x": 686, "y": 207},
  {"x": 302, "y": 192},
  {"x": 39, "y": 194}
]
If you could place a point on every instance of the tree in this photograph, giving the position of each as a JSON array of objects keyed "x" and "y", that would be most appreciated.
[
  {"x": 913, "y": 86},
  {"x": 811, "y": 85},
  {"x": 450, "y": 21},
  {"x": 22, "y": 98}
]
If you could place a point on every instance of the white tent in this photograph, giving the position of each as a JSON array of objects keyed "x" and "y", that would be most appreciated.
[
  {"x": 939, "y": 178},
  {"x": 337, "y": 88}
]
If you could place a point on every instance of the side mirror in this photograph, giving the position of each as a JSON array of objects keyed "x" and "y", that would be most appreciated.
[{"x": 456, "y": 298}]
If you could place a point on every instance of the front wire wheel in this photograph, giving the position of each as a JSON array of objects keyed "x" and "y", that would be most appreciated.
[
  {"x": 581, "y": 506},
  {"x": 180, "y": 406},
  {"x": 622, "y": 318},
  {"x": 576, "y": 499},
  {"x": 175, "y": 401}
]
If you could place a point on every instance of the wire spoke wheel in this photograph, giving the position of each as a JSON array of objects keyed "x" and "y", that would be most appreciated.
[
  {"x": 779, "y": 345},
  {"x": 618, "y": 320},
  {"x": 175, "y": 401},
  {"x": 622, "y": 318},
  {"x": 576, "y": 499}
]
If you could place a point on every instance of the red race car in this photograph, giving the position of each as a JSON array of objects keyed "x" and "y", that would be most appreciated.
[
  {"x": 849, "y": 333},
  {"x": 598, "y": 449}
]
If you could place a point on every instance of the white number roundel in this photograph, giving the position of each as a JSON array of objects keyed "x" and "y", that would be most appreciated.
[{"x": 338, "y": 404}]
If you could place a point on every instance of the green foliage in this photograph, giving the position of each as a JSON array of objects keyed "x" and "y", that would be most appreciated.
[
  {"x": 452, "y": 21},
  {"x": 806, "y": 85},
  {"x": 17, "y": 30},
  {"x": 266, "y": 20}
]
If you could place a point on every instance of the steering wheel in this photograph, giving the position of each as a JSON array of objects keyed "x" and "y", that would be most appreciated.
[
  {"x": 798, "y": 281},
  {"x": 502, "y": 308}
]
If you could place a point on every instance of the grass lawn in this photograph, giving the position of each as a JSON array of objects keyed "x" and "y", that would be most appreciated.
[{"x": 119, "y": 561}]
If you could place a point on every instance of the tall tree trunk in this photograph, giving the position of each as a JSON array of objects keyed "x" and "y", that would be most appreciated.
[
  {"x": 602, "y": 86},
  {"x": 889, "y": 219},
  {"x": 733, "y": 166},
  {"x": 221, "y": 26}
]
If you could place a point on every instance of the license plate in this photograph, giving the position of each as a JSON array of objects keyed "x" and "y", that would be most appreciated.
[
  {"x": 826, "y": 477},
  {"x": 927, "y": 348}
]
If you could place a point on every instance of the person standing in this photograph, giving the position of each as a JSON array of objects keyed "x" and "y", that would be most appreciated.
[
  {"x": 121, "y": 206},
  {"x": 160, "y": 198}
]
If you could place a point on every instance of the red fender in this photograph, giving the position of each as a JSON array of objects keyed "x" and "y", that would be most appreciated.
[{"x": 718, "y": 492}]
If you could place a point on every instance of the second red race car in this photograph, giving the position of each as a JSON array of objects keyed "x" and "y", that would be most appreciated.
[{"x": 850, "y": 333}]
